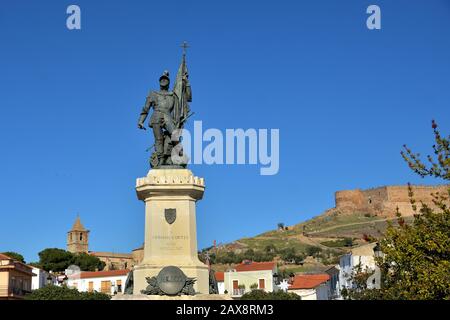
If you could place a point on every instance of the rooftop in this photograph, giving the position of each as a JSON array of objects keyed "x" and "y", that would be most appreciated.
[
  {"x": 111, "y": 254},
  {"x": 220, "y": 276},
  {"x": 255, "y": 266},
  {"x": 4, "y": 257},
  {"x": 78, "y": 226},
  {"x": 15, "y": 265},
  {"x": 308, "y": 281},
  {"x": 364, "y": 250}
]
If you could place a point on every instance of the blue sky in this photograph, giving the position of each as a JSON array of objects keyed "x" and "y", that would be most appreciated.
[{"x": 344, "y": 98}]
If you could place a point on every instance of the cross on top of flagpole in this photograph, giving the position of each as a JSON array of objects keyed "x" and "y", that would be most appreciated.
[{"x": 184, "y": 46}]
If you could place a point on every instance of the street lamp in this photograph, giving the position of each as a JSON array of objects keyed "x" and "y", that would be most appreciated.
[
  {"x": 377, "y": 251},
  {"x": 276, "y": 278}
]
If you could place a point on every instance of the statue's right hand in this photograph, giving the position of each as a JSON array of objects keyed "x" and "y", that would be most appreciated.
[{"x": 141, "y": 126}]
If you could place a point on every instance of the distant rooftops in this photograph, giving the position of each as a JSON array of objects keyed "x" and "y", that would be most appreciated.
[
  {"x": 255, "y": 266},
  {"x": 111, "y": 254}
]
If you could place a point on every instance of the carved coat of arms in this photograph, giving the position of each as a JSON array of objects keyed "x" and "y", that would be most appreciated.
[{"x": 170, "y": 215}]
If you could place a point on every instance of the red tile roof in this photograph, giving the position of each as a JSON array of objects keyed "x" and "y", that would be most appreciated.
[
  {"x": 255, "y": 266},
  {"x": 220, "y": 276},
  {"x": 111, "y": 254},
  {"x": 99, "y": 274},
  {"x": 308, "y": 281}
]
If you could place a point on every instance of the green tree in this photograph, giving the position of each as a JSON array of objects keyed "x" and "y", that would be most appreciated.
[
  {"x": 15, "y": 256},
  {"x": 270, "y": 248},
  {"x": 348, "y": 242},
  {"x": 249, "y": 254},
  {"x": 253, "y": 286},
  {"x": 263, "y": 295},
  {"x": 291, "y": 256},
  {"x": 359, "y": 291},
  {"x": 313, "y": 251},
  {"x": 416, "y": 260},
  {"x": 439, "y": 164},
  {"x": 416, "y": 257},
  {"x": 228, "y": 257},
  {"x": 59, "y": 260},
  {"x": 64, "y": 293},
  {"x": 87, "y": 262},
  {"x": 55, "y": 259}
]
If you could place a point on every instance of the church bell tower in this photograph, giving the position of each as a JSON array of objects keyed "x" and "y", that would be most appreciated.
[{"x": 77, "y": 238}]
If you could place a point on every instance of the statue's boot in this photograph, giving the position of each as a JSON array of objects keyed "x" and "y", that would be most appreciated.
[{"x": 159, "y": 148}]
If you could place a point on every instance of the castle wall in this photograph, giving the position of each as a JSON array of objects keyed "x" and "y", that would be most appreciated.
[
  {"x": 383, "y": 201},
  {"x": 375, "y": 199},
  {"x": 398, "y": 196},
  {"x": 349, "y": 200}
]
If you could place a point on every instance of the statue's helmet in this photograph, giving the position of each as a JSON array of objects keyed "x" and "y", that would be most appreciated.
[{"x": 164, "y": 76}]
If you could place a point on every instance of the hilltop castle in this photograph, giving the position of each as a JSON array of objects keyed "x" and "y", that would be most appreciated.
[
  {"x": 383, "y": 201},
  {"x": 78, "y": 242}
]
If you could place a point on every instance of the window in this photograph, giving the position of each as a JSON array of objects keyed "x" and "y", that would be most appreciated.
[
  {"x": 119, "y": 285},
  {"x": 81, "y": 236},
  {"x": 91, "y": 286},
  {"x": 106, "y": 287}
]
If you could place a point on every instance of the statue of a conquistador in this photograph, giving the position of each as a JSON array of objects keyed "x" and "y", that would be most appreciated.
[{"x": 170, "y": 112}]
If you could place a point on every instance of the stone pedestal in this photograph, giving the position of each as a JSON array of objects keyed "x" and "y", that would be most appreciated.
[{"x": 170, "y": 196}]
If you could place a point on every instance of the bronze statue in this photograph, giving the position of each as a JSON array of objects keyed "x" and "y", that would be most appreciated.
[{"x": 170, "y": 112}]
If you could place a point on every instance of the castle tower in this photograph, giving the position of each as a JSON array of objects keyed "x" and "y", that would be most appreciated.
[{"x": 77, "y": 238}]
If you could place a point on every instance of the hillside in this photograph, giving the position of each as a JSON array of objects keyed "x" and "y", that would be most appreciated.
[
  {"x": 318, "y": 242},
  {"x": 315, "y": 243}
]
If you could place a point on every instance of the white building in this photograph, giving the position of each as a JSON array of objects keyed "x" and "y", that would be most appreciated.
[
  {"x": 109, "y": 282},
  {"x": 220, "y": 282},
  {"x": 364, "y": 256},
  {"x": 250, "y": 274},
  {"x": 311, "y": 286},
  {"x": 41, "y": 278}
]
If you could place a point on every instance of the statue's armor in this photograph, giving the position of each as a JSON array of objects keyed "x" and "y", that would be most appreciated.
[
  {"x": 163, "y": 104},
  {"x": 162, "y": 119}
]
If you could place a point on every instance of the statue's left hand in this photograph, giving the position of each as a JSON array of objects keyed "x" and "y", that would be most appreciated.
[{"x": 141, "y": 126}]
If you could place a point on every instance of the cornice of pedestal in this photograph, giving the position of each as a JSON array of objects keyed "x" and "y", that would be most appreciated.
[{"x": 170, "y": 182}]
